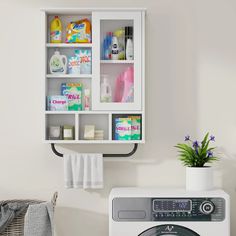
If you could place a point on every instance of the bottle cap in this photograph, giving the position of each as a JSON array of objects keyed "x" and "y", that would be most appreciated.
[
  {"x": 87, "y": 92},
  {"x": 105, "y": 78},
  {"x": 131, "y": 31},
  {"x": 104, "y": 75},
  {"x": 126, "y": 31}
]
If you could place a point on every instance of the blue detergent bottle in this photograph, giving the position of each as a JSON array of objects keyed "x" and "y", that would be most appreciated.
[{"x": 107, "y": 46}]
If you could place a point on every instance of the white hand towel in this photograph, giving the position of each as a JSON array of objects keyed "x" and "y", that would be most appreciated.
[{"x": 83, "y": 170}]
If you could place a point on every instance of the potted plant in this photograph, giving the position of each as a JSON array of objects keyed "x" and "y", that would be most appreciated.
[{"x": 195, "y": 155}]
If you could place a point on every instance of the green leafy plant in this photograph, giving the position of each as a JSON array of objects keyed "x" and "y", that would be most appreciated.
[{"x": 195, "y": 153}]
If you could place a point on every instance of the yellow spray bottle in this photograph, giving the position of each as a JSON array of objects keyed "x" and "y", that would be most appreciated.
[{"x": 56, "y": 30}]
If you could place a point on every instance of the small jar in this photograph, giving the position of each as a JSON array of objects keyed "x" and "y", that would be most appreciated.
[
  {"x": 54, "y": 133},
  {"x": 68, "y": 132}
]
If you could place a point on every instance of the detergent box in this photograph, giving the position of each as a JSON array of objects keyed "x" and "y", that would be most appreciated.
[
  {"x": 135, "y": 127},
  {"x": 73, "y": 92},
  {"x": 57, "y": 103},
  {"x": 122, "y": 128},
  {"x": 73, "y": 65},
  {"x": 85, "y": 60}
]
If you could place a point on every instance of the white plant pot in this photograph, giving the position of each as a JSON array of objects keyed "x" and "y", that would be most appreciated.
[{"x": 199, "y": 178}]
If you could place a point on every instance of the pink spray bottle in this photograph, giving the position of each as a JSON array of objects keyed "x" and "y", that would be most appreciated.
[{"x": 124, "y": 90}]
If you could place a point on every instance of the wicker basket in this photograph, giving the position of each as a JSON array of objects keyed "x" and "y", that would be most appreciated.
[{"x": 16, "y": 228}]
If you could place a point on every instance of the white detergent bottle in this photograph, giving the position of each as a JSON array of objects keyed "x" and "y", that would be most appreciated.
[
  {"x": 58, "y": 63},
  {"x": 105, "y": 92},
  {"x": 115, "y": 48},
  {"x": 129, "y": 53}
]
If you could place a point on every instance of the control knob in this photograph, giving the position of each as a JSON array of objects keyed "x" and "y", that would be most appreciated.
[{"x": 207, "y": 207}]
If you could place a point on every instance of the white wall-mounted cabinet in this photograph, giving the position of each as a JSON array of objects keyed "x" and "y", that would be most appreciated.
[{"x": 102, "y": 115}]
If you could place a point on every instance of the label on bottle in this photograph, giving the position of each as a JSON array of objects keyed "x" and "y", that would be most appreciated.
[
  {"x": 55, "y": 35},
  {"x": 130, "y": 57},
  {"x": 114, "y": 51}
]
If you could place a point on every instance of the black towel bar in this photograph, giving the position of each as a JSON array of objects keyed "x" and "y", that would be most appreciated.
[{"x": 104, "y": 155}]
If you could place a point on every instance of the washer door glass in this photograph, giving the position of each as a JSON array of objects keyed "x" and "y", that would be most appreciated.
[{"x": 168, "y": 230}]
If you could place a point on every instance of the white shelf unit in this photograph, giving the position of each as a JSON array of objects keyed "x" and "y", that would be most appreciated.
[{"x": 101, "y": 114}]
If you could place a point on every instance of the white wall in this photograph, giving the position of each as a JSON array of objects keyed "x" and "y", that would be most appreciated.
[{"x": 191, "y": 84}]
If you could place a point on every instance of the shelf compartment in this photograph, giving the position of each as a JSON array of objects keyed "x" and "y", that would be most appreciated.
[
  {"x": 133, "y": 126},
  {"x": 59, "y": 120},
  {"x": 99, "y": 120},
  {"x": 68, "y": 52},
  {"x": 111, "y": 25},
  {"x": 53, "y": 87},
  {"x": 65, "y": 20},
  {"x": 113, "y": 73}
]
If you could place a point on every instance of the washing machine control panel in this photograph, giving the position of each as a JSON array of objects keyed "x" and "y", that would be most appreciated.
[
  {"x": 168, "y": 209},
  {"x": 188, "y": 209}
]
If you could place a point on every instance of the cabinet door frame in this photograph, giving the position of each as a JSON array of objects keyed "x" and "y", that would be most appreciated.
[{"x": 136, "y": 17}]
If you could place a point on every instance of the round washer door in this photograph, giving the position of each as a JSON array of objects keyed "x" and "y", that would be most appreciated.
[{"x": 169, "y": 230}]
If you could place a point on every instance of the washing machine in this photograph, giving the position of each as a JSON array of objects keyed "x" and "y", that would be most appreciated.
[{"x": 156, "y": 212}]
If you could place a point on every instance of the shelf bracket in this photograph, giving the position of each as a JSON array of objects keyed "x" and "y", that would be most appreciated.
[{"x": 104, "y": 155}]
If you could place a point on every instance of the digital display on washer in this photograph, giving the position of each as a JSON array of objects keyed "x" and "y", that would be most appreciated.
[{"x": 172, "y": 205}]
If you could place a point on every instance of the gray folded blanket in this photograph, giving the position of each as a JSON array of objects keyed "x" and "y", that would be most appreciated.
[
  {"x": 8, "y": 211},
  {"x": 39, "y": 220}
]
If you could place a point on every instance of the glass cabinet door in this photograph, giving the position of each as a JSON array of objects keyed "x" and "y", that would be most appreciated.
[{"x": 117, "y": 60}]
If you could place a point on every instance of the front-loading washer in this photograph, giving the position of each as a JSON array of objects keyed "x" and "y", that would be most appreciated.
[{"x": 155, "y": 212}]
